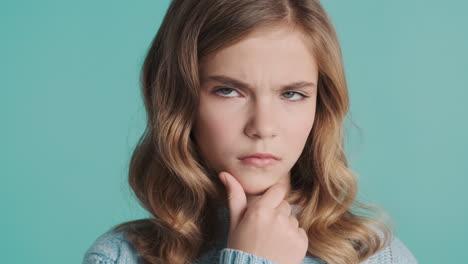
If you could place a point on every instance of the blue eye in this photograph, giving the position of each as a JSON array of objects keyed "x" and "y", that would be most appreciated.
[
  {"x": 226, "y": 91},
  {"x": 295, "y": 93}
]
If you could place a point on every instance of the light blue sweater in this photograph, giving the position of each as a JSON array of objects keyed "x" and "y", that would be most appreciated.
[{"x": 112, "y": 248}]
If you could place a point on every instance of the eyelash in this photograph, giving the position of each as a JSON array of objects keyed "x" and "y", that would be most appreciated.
[{"x": 303, "y": 96}]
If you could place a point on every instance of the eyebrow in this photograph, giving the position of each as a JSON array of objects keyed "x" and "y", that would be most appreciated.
[{"x": 242, "y": 85}]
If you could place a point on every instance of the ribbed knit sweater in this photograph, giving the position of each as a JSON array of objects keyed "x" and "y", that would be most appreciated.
[{"x": 112, "y": 248}]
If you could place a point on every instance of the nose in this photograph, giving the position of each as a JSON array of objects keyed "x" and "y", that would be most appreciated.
[{"x": 262, "y": 120}]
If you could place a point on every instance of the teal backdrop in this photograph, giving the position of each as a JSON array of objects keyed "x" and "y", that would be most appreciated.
[{"x": 71, "y": 113}]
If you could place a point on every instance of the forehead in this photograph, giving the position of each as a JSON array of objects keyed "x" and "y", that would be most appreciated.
[{"x": 277, "y": 53}]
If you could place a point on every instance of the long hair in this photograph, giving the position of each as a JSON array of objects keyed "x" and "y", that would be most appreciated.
[{"x": 175, "y": 185}]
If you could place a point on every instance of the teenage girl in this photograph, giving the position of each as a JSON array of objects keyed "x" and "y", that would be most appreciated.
[{"x": 242, "y": 159}]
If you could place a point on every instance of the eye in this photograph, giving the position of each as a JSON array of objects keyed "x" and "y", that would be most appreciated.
[
  {"x": 295, "y": 93},
  {"x": 226, "y": 91}
]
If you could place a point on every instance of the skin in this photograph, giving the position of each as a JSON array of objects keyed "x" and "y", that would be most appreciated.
[{"x": 232, "y": 121}]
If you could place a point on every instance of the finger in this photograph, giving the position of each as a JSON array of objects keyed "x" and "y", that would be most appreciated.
[
  {"x": 273, "y": 196},
  {"x": 237, "y": 200},
  {"x": 303, "y": 234},
  {"x": 294, "y": 221},
  {"x": 284, "y": 208}
]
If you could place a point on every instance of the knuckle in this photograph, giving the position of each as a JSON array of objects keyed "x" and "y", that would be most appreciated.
[
  {"x": 256, "y": 206},
  {"x": 294, "y": 220},
  {"x": 303, "y": 234},
  {"x": 258, "y": 212},
  {"x": 278, "y": 217},
  {"x": 286, "y": 206}
]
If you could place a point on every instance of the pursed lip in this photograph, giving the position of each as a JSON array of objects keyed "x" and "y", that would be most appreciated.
[{"x": 259, "y": 156}]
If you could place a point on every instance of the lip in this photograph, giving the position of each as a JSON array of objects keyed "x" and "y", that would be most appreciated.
[
  {"x": 259, "y": 159},
  {"x": 260, "y": 156}
]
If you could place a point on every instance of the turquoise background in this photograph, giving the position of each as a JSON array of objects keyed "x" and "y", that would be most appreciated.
[{"x": 71, "y": 113}]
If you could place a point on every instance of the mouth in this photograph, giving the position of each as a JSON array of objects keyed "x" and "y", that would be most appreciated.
[
  {"x": 258, "y": 162},
  {"x": 260, "y": 156}
]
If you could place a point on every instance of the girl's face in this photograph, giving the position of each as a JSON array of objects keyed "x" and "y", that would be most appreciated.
[{"x": 243, "y": 108}]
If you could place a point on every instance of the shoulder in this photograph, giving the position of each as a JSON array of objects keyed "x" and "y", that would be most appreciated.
[
  {"x": 395, "y": 253},
  {"x": 401, "y": 253},
  {"x": 110, "y": 248}
]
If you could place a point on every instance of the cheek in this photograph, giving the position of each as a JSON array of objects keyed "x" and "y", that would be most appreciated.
[
  {"x": 216, "y": 123},
  {"x": 216, "y": 128},
  {"x": 299, "y": 128},
  {"x": 215, "y": 133}
]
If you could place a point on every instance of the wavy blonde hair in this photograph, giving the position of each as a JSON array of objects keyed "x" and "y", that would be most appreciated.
[{"x": 182, "y": 193}]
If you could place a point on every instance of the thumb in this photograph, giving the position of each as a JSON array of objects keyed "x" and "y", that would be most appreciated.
[{"x": 237, "y": 200}]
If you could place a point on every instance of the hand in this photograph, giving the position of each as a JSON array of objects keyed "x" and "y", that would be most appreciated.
[{"x": 266, "y": 227}]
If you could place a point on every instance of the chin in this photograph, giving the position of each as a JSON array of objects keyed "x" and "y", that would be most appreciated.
[
  {"x": 254, "y": 182},
  {"x": 255, "y": 190}
]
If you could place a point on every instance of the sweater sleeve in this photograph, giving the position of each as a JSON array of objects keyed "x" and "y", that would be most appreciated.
[
  {"x": 235, "y": 256},
  {"x": 110, "y": 248},
  {"x": 395, "y": 253},
  {"x": 401, "y": 254}
]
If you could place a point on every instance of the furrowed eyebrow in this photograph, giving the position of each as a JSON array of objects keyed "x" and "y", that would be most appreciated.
[{"x": 242, "y": 85}]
